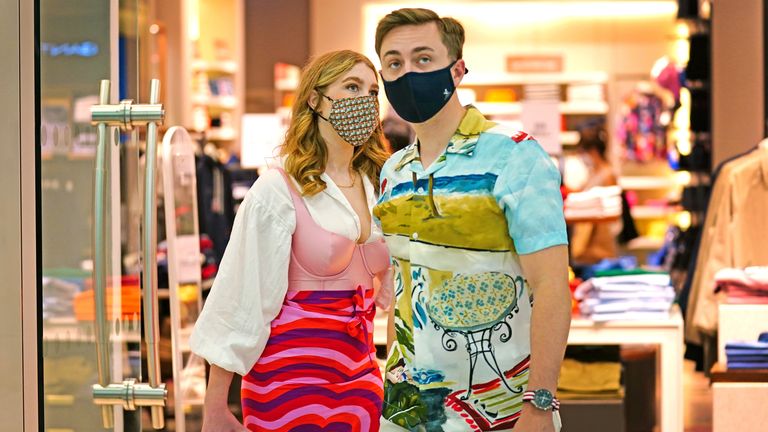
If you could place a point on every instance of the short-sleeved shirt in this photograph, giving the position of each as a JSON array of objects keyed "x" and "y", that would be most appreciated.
[{"x": 463, "y": 308}]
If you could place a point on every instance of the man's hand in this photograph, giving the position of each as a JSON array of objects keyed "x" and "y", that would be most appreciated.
[{"x": 535, "y": 420}]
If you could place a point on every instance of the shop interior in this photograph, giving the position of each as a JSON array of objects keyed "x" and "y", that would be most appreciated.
[{"x": 669, "y": 296}]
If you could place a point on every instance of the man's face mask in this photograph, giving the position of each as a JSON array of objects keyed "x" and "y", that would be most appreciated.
[
  {"x": 354, "y": 119},
  {"x": 419, "y": 96}
]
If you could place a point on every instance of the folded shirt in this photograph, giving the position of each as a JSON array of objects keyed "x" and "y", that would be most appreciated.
[
  {"x": 754, "y": 277},
  {"x": 629, "y": 316},
  {"x": 747, "y": 358},
  {"x": 576, "y": 376},
  {"x": 747, "y": 365},
  {"x": 653, "y": 305},
  {"x": 654, "y": 283},
  {"x": 746, "y": 345}
]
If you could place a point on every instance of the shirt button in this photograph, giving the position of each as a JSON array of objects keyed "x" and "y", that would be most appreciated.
[{"x": 415, "y": 236}]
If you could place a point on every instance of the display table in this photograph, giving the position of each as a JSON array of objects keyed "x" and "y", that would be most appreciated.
[{"x": 667, "y": 333}]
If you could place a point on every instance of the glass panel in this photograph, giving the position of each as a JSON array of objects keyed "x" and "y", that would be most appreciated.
[{"x": 80, "y": 45}]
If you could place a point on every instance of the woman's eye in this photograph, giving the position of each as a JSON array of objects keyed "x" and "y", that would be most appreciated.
[
  {"x": 353, "y": 87},
  {"x": 374, "y": 92}
]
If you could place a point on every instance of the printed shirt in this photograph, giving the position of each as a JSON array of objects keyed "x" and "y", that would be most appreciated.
[{"x": 463, "y": 307}]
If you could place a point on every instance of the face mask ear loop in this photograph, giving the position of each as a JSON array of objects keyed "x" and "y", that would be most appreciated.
[{"x": 318, "y": 112}]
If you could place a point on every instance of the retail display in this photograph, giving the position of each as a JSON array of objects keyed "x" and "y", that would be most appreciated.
[
  {"x": 633, "y": 297},
  {"x": 749, "y": 285},
  {"x": 732, "y": 229},
  {"x": 748, "y": 355},
  {"x": 215, "y": 204},
  {"x": 595, "y": 203},
  {"x": 642, "y": 131}
]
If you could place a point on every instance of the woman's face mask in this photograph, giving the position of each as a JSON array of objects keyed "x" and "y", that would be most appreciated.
[{"x": 354, "y": 119}]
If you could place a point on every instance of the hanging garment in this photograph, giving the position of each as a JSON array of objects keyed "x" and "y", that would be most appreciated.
[
  {"x": 215, "y": 206},
  {"x": 733, "y": 234}
]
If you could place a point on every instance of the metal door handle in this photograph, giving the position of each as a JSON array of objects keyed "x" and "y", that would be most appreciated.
[
  {"x": 151, "y": 319},
  {"x": 129, "y": 394},
  {"x": 99, "y": 256}
]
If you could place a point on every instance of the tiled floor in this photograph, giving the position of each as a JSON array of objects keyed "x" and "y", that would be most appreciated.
[{"x": 698, "y": 400}]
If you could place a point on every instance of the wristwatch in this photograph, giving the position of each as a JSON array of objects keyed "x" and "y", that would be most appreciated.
[{"x": 542, "y": 399}]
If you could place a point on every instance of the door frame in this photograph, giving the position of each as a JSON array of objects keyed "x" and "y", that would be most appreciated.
[{"x": 19, "y": 189}]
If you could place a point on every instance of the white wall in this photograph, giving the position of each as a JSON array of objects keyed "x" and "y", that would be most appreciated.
[{"x": 617, "y": 37}]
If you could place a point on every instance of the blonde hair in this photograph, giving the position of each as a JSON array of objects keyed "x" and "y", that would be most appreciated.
[
  {"x": 304, "y": 149},
  {"x": 451, "y": 31}
]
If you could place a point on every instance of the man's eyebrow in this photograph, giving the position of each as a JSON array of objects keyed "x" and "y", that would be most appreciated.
[
  {"x": 422, "y": 48},
  {"x": 391, "y": 52}
]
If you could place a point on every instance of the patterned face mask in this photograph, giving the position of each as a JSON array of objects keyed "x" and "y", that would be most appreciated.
[{"x": 354, "y": 119}]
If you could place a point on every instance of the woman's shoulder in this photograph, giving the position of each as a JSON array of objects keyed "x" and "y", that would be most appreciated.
[{"x": 270, "y": 191}]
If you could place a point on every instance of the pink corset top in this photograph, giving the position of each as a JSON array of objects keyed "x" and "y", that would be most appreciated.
[{"x": 325, "y": 261}]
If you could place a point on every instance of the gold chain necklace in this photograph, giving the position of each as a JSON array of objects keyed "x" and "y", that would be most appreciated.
[{"x": 354, "y": 181}]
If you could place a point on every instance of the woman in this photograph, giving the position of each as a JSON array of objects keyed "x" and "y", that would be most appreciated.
[
  {"x": 292, "y": 306},
  {"x": 594, "y": 241}
]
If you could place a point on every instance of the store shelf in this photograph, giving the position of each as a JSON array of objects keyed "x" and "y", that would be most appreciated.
[
  {"x": 222, "y": 134},
  {"x": 485, "y": 79},
  {"x": 652, "y": 212},
  {"x": 567, "y": 108},
  {"x": 646, "y": 182},
  {"x": 645, "y": 243},
  {"x": 229, "y": 102},
  {"x": 226, "y": 66},
  {"x": 569, "y": 138}
]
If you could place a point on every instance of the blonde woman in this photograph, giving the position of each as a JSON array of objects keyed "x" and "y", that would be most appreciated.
[{"x": 292, "y": 306}]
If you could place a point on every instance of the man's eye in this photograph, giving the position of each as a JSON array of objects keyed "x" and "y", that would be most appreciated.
[{"x": 394, "y": 65}]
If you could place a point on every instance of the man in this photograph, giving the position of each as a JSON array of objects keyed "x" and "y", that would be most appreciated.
[{"x": 473, "y": 218}]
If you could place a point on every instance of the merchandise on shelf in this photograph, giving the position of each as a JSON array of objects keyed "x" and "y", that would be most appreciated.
[
  {"x": 628, "y": 297},
  {"x": 748, "y": 354}
]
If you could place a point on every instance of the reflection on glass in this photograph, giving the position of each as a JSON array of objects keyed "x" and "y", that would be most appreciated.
[{"x": 75, "y": 54}]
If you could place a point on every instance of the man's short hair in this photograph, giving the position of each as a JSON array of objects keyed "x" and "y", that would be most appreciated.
[{"x": 451, "y": 31}]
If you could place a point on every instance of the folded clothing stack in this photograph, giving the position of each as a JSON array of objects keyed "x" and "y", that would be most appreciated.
[
  {"x": 595, "y": 203},
  {"x": 590, "y": 372},
  {"x": 630, "y": 297},
  {"x": 748, "y": 355},
  {"x": 748, "y": 285}
]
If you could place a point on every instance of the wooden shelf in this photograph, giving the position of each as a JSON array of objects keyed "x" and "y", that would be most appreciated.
[
  {"x": 567, "y": 108},
  {"x": 486, "y": 79},
  {"x": 645, "y": 243},
  {"x": 570, "y": 138},
  {"x": 652, "y": 212},
  {"x": 721, "y": 373},
  {"x": 222, "y": 134},
  {"x": 226, "y": 66},
  {"x": 229, "y": 102},
  {"x": 646, "y": 182}
]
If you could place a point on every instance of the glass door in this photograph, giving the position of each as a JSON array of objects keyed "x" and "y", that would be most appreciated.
[{"x": 93, "y": 332}]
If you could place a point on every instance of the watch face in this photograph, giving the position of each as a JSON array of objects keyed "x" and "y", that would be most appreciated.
[{"x": 542, "y": 399}]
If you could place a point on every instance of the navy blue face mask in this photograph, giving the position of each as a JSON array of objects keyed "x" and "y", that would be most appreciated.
[{"x": 418, "y": 96}]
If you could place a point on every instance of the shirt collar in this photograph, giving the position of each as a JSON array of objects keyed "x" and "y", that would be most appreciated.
[{"x": 463, "y": 141}]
